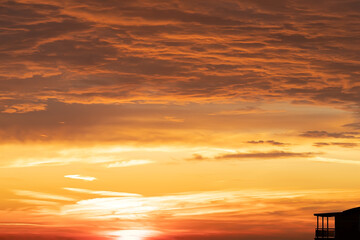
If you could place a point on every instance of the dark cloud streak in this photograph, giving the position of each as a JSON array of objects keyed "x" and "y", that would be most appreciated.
[
  {"x": 325, "y": 134},
  {"x": 255, "y": 155},
  {"x": 340, "y": 144},
  {"x": 271, "y": 142}
]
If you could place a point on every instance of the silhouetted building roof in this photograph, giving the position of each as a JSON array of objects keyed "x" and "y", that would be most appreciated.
[
  {"x": 343, "y": 225},
  {"x": 333, "y": 214}
]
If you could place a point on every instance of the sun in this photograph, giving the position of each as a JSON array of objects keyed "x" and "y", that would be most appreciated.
[{"x": 135, "y": 234}]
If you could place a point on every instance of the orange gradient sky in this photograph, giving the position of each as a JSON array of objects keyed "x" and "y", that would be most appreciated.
[{"x": 177, "y": 119}]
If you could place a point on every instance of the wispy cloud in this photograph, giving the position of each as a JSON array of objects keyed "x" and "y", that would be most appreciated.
[
  {"x": 210, "y": 211},
  {"x": 54, "y": 155},
  {"x": 76, "y": 176},
  {"x": 255, "y": 155},
  {"x": 355, "y": 125},
  {"x": 36, "y": 202},
  {"x": 183, "y": 205},
  {"x": 340, "y": 144},
  {"x": 144, "y": 207},
  {"x": 247, "y": 110},
  {"x": 265, "y": 155},
  {"x": 31, "y": 162},
  {"x": 173, "y": 119},
  {"x": 103, "y": 193},
  {"x": 24, "y": 108},
  {"x": 129, "y": 163},
  {"x": 335, "y": 160},
  {"x": 271, "y": 142},
  {"x": 40, "y": 195},
  {"x": 325, "y": 134}
]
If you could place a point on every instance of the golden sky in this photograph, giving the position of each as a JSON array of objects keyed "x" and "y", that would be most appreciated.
[{"x": 177, "y": 119}]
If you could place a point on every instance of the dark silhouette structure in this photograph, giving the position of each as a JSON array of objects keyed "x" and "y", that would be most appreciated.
[{"x": 338, "y": 225}]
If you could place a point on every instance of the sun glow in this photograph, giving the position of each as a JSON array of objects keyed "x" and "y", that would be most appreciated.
[{"x": 135, "y": 234}]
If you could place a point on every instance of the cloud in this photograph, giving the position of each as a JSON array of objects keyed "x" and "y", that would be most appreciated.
[
  {"x": 336, "y": 160},
  {"x": 173, "y": 119},
  {"x": 265, "y": 155},
  {"x": 103, "y": 193},
  {"x": 76, "y": 176},
  {"x": 40, "y": 195},
  {"x": 340, "y": 144},
  {"x": 31, "y": 162},
  {"x": 355, "y": 125},
  {"x": 234, "y": 213},
  {"x": 271, "y": 142},
  {"x": 247, "y": 110},
  {"x": 325, "y": 134},
  {"x": 24, "y": 108},
  {"x": 38, "y": 155},
  {"x": 37, "y": 202},
  {"x": 107, "y": 52},
  {"x": 255, "y": 155},
  {"x": 177, "y": 205},
  {"x": 134, "y": 123},
  {"x": 197, "y": 157},
  {"x": 129, "y": 163},
  {"x": 81, "y": 81}
]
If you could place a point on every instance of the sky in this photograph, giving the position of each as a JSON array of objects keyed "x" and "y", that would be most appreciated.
[{"x": 177, "y": 119}]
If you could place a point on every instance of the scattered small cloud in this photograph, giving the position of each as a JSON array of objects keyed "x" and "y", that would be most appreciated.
[
  {"x": 24, "y": 108},
  {"x": 129, "y": 163},
  {"x": 198, "y": 157},
  {"x": 174, "y": 119},
  {"x": 76, "y": 176},
  {"x": 321, "y": 144}
]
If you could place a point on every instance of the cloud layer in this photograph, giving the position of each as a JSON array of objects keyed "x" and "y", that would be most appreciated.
[{"x": 114, "y": 52}]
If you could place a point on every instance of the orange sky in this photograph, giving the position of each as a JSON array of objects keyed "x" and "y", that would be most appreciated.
[{"x": 177, "y": 119}]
